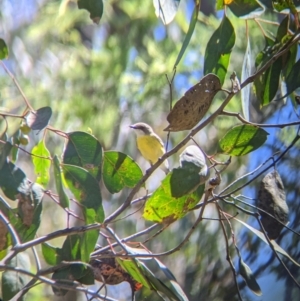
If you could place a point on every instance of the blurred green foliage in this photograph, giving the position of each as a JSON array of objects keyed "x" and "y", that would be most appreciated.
[{"x": 103, "y": 78}]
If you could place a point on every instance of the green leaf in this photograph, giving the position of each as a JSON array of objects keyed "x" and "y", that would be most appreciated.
[
  {"x": 12, "y": 180},
  {"x": 281, "y": 5},
  {"x": 39, "y": 120},
  {"x": 15, "y": 141},
  {"x": 74, "y": 272},
  {"x": 3, "y": 50},
  {"x": 41, "y": 164},
  {"x": 246, "y": 9},
  {"x": 132, "y": 268},
  {"x": 266, "y": 85},
  {"x": 71, "y": 248},
  {"x": 12, "y": 282},
  {"x": 183, "y": 182},
  {"x": 84, "y": 150},
  {"x": 273, "y": 242},
  {"x": 163, "y": 207},
  {"x": 188, "y": 35},
  {"x": 58, "y": 177},
  {"x": 85, "y": 188},
  {"x": 94, "y": 7},
  {"x": 5, "y": 149},
  {"x": 120, "y": 171},
  {"x": 246, "y": 72},
  {"x": 218, "y": 50},
  {"x": 51, "y": 254},
  {"x": 242, "y": 139},
  {"x": 249, "y": 278},
  {"x": 219, "y": 4},
  {"x": 88, "y": 238},
  {"x": 283, "y": 28},
  {"x": 293, "y": 79},
  {"x": 166, "y": 9}
]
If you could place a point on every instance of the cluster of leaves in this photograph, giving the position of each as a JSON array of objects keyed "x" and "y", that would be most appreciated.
[{"x": 84, "y": 165}]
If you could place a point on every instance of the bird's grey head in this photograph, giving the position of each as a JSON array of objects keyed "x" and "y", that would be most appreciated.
[{"x": 142, "y": 128}]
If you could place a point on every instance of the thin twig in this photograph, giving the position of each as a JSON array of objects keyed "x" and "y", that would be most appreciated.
[
  {"x": 280, "y": 125},
  {"x": 18, "y": 86},
  {"x": 228, "y": 257}
]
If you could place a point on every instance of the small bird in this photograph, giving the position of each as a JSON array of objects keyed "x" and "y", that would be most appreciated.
[{"x": 149, "y": 144}]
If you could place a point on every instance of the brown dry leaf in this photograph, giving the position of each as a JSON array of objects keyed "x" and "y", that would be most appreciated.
[
  {"x": 109, "y": 271},
  {"x": 271, "y": 198},
  {"x": 192, "y": 107},
  {"x": 26, "y": 208}
]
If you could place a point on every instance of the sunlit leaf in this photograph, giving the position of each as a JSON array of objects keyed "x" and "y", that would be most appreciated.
[
  {"x": 246, "y": 72},
  {"x": 242, "y": 139},
  {"x": 188, "y": 36},
  {"x": 132, "y": 268},
  {"x": 163, "y": 207},
  {"x": 3, "y": 50},
  {"x": 84, "y": 150},
  {"x": 166, "y": 9},
  {"x": 120, "y": 171},
  {"x": 94, "y": 7},
  {"x": 58, "y": 177},
  {"x": 41, "y": 161},
  {"x": 218, "y": 50}
]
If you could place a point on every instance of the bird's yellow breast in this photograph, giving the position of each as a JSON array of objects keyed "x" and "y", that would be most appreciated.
[{"x": 150, "y": 148}]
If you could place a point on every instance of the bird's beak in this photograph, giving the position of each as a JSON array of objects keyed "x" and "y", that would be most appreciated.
[{"x": 132, "y": 126}]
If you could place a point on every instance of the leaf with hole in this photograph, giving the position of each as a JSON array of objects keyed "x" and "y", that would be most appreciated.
[{"x": 192, "y": 107}]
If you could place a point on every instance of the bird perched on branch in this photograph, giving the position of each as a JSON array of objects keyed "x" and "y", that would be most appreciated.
[{"x": 150, "y": 144}]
